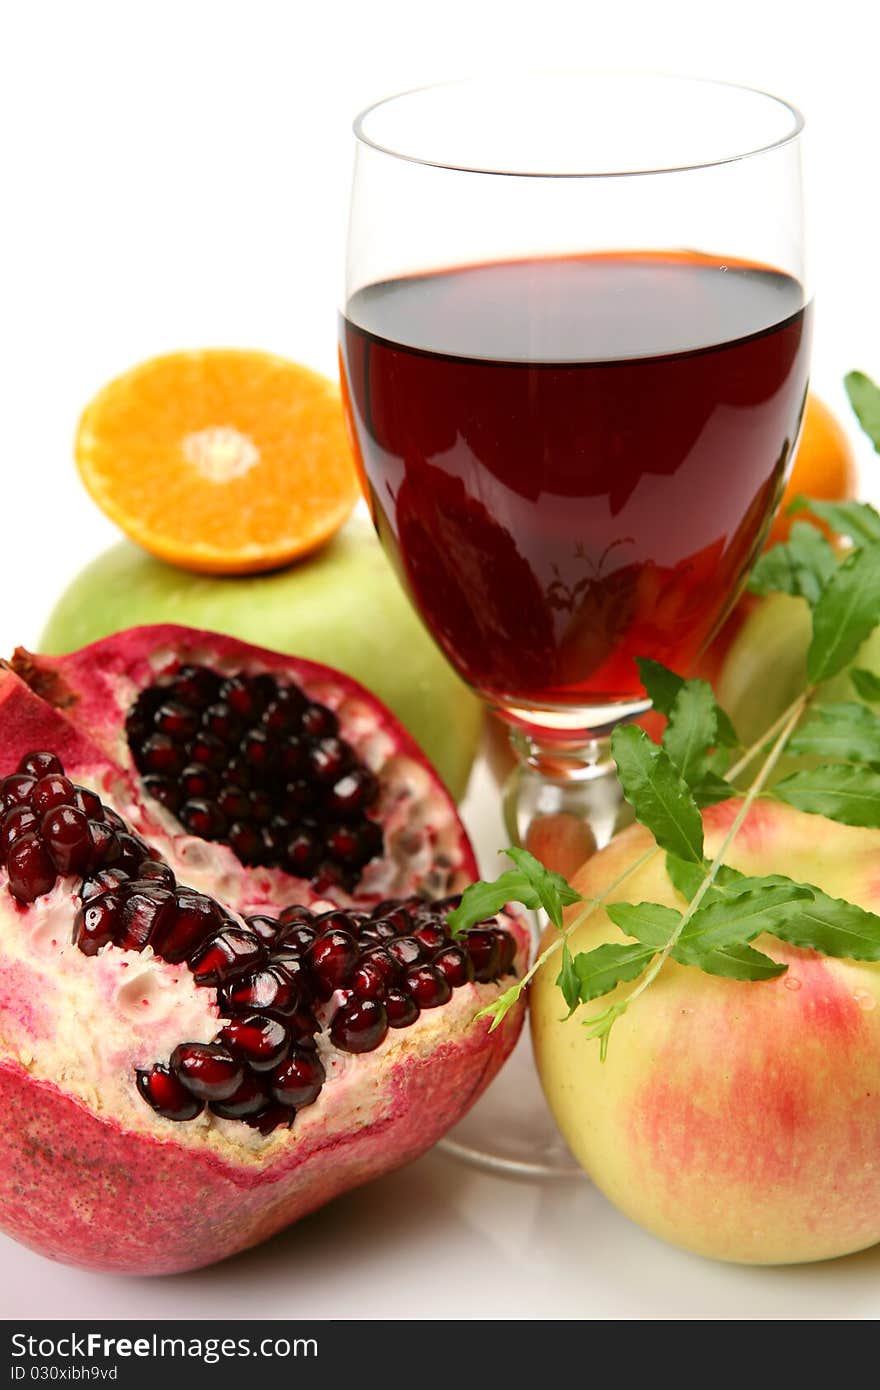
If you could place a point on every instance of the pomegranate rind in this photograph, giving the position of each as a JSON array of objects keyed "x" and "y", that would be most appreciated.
[
  {"x": 79, "y": 1188},
  {"x": 118, "y": 1187},
  {"x": 426, "y": 844}
]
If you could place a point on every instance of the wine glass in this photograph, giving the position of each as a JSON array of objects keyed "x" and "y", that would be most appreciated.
[{"x": 574, "y": 347}]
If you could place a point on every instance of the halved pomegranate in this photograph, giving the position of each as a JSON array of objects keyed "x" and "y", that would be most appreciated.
[{"x": 198, "y": 1050}]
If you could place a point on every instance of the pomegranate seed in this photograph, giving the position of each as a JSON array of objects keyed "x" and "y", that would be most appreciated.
[
  {"x": 195, "y": 685},
  {"x": 106, "y": 880},
  {"x": 506, "y": 951},
  {"x": 295, "y": 912},
  {"x": 299, "y": 1080},
  {"x": 18, "y": 821},
  {"x": 159, "y": 753},
  {"x": 158, "y": 872},
  {"x": 273, "y": 990},
  {"x": 167, "y": 1096},
  {"x": 250, "y": 1099},
  {"x": 335, "y": 920},
  {"x": 166, "y": 792},
  {"x": 266, "y": 928},
  {"x": 427, "y": 986},
  {"x": 372, "y": 841},
  {"x": 16, "y": 790},
  {"x": 284, "y": 712},
  {"x": 405, "y": 951},
  {"x": 299, "y": 798},
  {"x": 401, "y": 1008},
  {"x": 51, "y": 791},
  {"x": 293, "y": 757},
  {"x": 302, "y": 854},
  {"x": 483, "y": 947},
  {"x": 206, "y": 1070},
  {"x": 328, "y": 759},
  {"x": 104, "y": 844},
  {"x": 298, "y": 935},
  {"x": 431, "y": 936},
  {"x": 262, "y": 1042},
  {"x": 332, "y": 958},
  {"x": 87, "y": 801},
  {"x": 261, "y": 809},
  {"x": 219, "y": 719},
  {"x": 65, "y": 832},
  {"x": 31, "y": 871},
  {"x": 318, "y": 720},
  {"x": 379, "y": 959},
  {"x": 368, "y": 980},
  {"x": 246, "y": 842},
  {"x": 354, "y": 792},
  {"x": 210, "y": 751},
  {"x": 176, "y": 720},
  {"x": 97, "y": 922},
  {"x": 147, "y": 911},
  {"x": 39, "y": 765},
  {"x": 132, "y": 852},
  {"x": 231, "y": 952},
  {"x": 344, "y": 845},
  {"x": 203, "y": 819},
  {"x": 196, "y": 917},
  {"x": 257, "y": 749},
  {"x": 455, "y": 965},
  {"x": 234, "y": 802},
  {"x": 360, "y": 1025},
  {"x": 198, "y": 782},
  {"x": 272, "y": 1118}
]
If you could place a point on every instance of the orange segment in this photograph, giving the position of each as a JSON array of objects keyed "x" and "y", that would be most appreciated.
[
  {"x": 223, "y": 461},
  {"x": 824, "y": 467}
]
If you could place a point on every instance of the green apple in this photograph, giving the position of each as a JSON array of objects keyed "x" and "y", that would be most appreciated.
[
  {"x": 759, "y": 666},
  {"x": 342, "y": 606}
]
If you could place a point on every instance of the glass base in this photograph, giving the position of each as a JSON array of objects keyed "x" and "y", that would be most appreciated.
[
  {"x": 563, "y": 800},
  {"x": 510, "y": 1130}
]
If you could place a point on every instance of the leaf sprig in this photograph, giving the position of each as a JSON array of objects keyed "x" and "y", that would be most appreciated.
[{"x": 723, "y": 911}]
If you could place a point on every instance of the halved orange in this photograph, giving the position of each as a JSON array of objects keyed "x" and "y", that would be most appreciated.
[{"x": 224, "y": 461}]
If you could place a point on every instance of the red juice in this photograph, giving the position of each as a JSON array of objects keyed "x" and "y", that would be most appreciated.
[{"x": 573, "y": 461}]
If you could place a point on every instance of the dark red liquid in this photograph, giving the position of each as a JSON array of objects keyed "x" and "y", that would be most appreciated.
[{"x": 574, "y": 461}]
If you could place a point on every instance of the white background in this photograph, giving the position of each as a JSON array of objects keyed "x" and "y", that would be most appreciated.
[{"x": 174, "y": 174}]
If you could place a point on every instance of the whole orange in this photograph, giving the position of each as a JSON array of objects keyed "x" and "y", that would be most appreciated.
[{"x": 824, "y": 466}]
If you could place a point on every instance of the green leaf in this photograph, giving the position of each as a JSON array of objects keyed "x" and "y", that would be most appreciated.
[
  {"x": 688, "y": 878},
  {"x": 650, "y": 923},
  {"x": 858, "y": 520},
  {"x": 738, "y": 963},
  {"x": 866, "y": 683},
  {"x": 846, "y": 614},
  {"x": 605, "y": 967},
  {"x": 568, "y": 981},
  {"x": 661, "y": 684},
  {"x": 711, "y": 789},
  {"x": 864, "y": 397},
  {"x": 842, "y": 732},
  {"x": 754, "y": 908},
  {"x": 847, "y": 794},
  {"x": 653, "y": 925},
  {"x": 662, "y": 687},
  {"x": 692, "y": 730},
  {"x": 834, "y": 927},
  {"x": 657, "y": 793},
  {"x": 800, "y": 566},
  {"x": 482, "y": 900},
  {"x": 500, "y": 1007},
  {"x": 554, "y": 892}
]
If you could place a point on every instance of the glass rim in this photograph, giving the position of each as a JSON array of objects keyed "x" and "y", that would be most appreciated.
[{"x": 791, "y": 135}]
